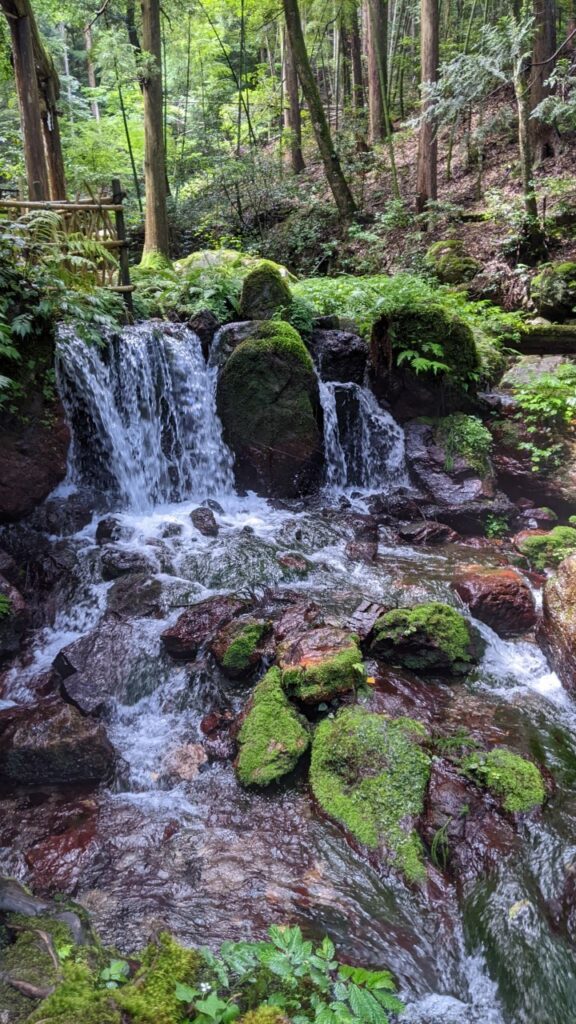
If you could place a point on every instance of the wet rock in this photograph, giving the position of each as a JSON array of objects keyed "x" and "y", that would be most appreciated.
[
  {"x": 273, "y": 735},
  {"x": 361, "y": 621},
  {"x": 515, "y": 471},
  {"x": 13, "y": 619},
  {"x": 214, "y": 505},
  {"x": 339, "y": 354},
  {"x": 135, "y": 596},
  {"x": 558, "y": 632},
  {"x": 364, "y": 545},
  {"x": 9, "y": 568},
  {"x": 269, "y": 405},
  {"x": 427, "y": 462},
  {"x": 230, "y": 337},
  {"x": 538, "y": 518},
  {"x": 198, "y": 624},
  {"x": 428, "y": 533},
  {"x": 320, "y": 664},
  {"x": 51, "y": 744},
  {"x": 112, "y": 529},
  {"x": 499, "y": 597},
  {"x": 430, "y": 637},
  {"x": 265, "y": 292},
  {"x": 299, "y": 616},
  {"x": 205, "y": 325},
  {"x": 295, "y": 565},
  {"x": 399, "y": 694},
  {"x": 58, "y": 863},
  {"x": 63, "y": 516},
  {"x": 33, "y": 460},
  {"x": 185, "y": 762},
  {"x": 546, "y": 549},
  {"x": 16, "y": 899},
  {"x": 240, "y": 646},
  {"x": 205, "y": 521},
  {"x": 118, "y": 562},
  {"x": 219, "y": 742}
]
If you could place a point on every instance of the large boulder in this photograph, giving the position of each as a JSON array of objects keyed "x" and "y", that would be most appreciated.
[
  {"x": 369, "y": 774},
  {"x": 447, "y": 478},
  {"x": 51, "y": 744},
  {"x": 428, "y": 638},
  {"x": 265, "y": 292},
  {"x": 553, "y": 291},
  {"x": 269, "y": 406},
  {"x": 199, "y": 624},
  {"x": 272, "y": 737},
  {"x": 451, "y": 263},
  {"x": 558, "y": 633},
  {"x": 33, "y": 458},
  {"x": 339, "y": 355},
  {"x": 499, "y": 597}
]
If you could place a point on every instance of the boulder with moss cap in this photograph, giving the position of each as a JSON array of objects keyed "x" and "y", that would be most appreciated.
[
  {"x": 269, "y": 405},
  {"x": 265, "y": 293},
  {"x": 516, "y": 782},
  {"x": 272, "y": 737},
  {"x": 553, "y": 291},
  {"x": 320, "y": 664},
  {"x": 451, "y": 263},
  {"x": 430, "y": 637},
  {"x": 369, "y": 774}
]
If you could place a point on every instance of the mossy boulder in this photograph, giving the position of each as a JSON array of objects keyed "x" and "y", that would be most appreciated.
[
  {"x": 546, "y": 550},
  {"x": 320, "y": 664},
  {"x": 369, "y": 774},
  {"x": 451, "y": 263},
  {"x": 269, "y": 405},
  {"x": 273, "y": 736},
  {"x": 553, "y": 291},
  {"x": 430, "y": 637},
  {"x": 265, "y": 293},
  {"x": 239, "y": 646},
  {"x": 558, "y": 633},
  {"x": 515, "y": 781}
]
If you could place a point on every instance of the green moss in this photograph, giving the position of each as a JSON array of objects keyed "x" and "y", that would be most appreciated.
[
  {"x": 265, "y": 293},
  {"x": 465, "y": 436},
  {"x": 78, "y": 1001},
  {"x": 548, "y": 550},
  {"x": 517, "y": 782},
  {"x": 273, "y": 736},
  {"x": 25, "y": 956},
  {"x": 264, "y": 1015},
  {"x": 156, "y": 262},
  {"x": 434, "y": 334},
  {"x": 553, "y": 291},
  {"x": 451, "y": 263},
  {"x": 326, "y": 679},
  {"x": 5, "y": 607},
  {"x": 428, "y": 637},
  {"x": 150, "y": 998},
  {"x": 278, "y": 336},
  {"x": 370, "y": 775},
  {"x": 239, "y": 654}
]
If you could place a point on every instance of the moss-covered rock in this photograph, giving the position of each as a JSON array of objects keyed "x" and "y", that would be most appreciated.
[
  {"x": 451, "y": 263},
  {"x": 547, "y": 550},
  {"x": 151, "y": 997},
  {"x": 369, "y": 773},
  {"x": 272, "y": 737},
  {"x": 269, "y": 406},
  {"x": 515, "y": 781},
  {"x": 428, "y": 638},
  {"x": 321, "y": 664},
  {"x": 264, "y": 293},
  {"x": 238, "y": 647},
  {"x": 77, "y": 1000},
  {"x": 558, "y": 633},
  {"x": 553, "y": 291}
]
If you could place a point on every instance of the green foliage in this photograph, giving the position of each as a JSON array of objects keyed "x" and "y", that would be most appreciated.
[
  {"x": 496, "y": 526},
  {"x": 370, "y": 774},
  {"x": 430, "y": 637},
  {"x": 5, "y": 607},
  {"x": 273, "y": 735},
  {"x": 547, "y": 550},
  {"x": 546, "y": 406},
  {"x": 324, "y": 680},
  {"x": 517, "y": 782},
  {"x": 553, "y": 291},
  {"x": 465, "y": 436},
  {"x": 116, "y": 973}
]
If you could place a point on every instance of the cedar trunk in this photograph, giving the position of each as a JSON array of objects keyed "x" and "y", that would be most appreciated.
[
  {"x": 293, "y": 114},
  {"x": 542, "y": 135},
  {"x": 427, "y": 178},
  {"x": 156, "y": 235},
  {"x": 377, "y": 44},
  {"x": 336, "y": 180}
]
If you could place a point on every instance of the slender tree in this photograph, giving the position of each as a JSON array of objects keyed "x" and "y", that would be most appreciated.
[
  {"x": 542, "y": 135},
  {"x": 377, "y": 43},
  {"x": 292, "y": 109},
  {"x": 336, "y": 180},
  {"x": 156, "y": 234},
  {"x": 427, "y": 170}
]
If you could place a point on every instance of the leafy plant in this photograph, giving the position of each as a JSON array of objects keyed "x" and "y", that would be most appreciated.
[
  {"x": 466, "y": 436},
  {"x": 496, "y": 526},
  {"x": 115, "y": 974},
  {"x": 547, "y": 409}
]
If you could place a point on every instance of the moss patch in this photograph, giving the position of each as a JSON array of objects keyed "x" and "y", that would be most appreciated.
[
  {"x": 548, "y": 550},
  {"x": 78, "y": 1001},
  {"x": 370, "y": 775},
  {"x": 265, "y": 293},
  {"x": 265, "y": 1015},
  {"x": 323, "y": 680},
  {"x": 451, "y": 263},
  {"x": 553, "y": 291},
  {"x": 516, "y": 782},
  {"x": 150, "y": 998},
  {"x": 239, "y": 655},
  {"x": 430, "y": 637},
  {"x": 273, "y": 735}
]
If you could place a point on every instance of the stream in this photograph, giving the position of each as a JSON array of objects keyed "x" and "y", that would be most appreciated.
[{"x": 199, "y": 854}]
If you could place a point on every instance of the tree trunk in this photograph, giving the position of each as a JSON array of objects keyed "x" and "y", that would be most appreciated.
[
  {"x": 20, "y": 18},
  {"x": 293, "y": 114},
  {"x": 542, "y": 135},
  {"x": 338, "y": 184},
  {"x": 156, "y": 235},
  {"x": 377, "y": 40},
  {"x": 356, "y": 59},
  {"x": 91, "y": 71},
  {"x": 427, "y": 175}
]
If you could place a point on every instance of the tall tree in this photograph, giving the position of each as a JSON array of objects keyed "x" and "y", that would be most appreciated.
[
  {"x": 156, "y": 233},
  {"x": 427, "y": 170},
  {"x": 541, "y": 134},
  {"x": 338, "y": 184},
  {"x": 292, "y": 111},
  {"x": 377, "y": 43}
]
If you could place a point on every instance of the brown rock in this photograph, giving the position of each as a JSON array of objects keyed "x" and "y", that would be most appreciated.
[
  {"x": 59, "y": 862},
  {"x": 428, "y": 533},
  {"x": 311, "y": 650},
  {"x": 185, "y": 762},
  {"x": 558, "y": 631},
  {"x": 205, "y": 521},
  {"x": 198, "y": 624},
  {"x": 33, "y": 461},
  {"x": 499, "y": 597},
  {"x": 247, "y": 659}
]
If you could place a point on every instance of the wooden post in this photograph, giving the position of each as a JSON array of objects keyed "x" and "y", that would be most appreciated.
[{"x": 124, "y": 279}]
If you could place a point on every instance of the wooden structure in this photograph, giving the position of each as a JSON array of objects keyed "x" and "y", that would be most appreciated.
[{"x": 99, "y": 219}]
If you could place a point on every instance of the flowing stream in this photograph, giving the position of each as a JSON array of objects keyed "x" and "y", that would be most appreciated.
[{"x": 198, "y": 854}]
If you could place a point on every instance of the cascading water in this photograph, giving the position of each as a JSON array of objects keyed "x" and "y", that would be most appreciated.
[
  {"x": 143, "y": 415},
  {"x": 363, "y": 444}
]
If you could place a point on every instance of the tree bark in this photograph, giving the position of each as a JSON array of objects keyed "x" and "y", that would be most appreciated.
[
  {"x": 156, "y": 234},
  {"x": 377, "y": 42},
  {"x": 293, "y": 113},
  {"x": 91, "y": 71},
  {"x": 542, "y": 135},
  {"x": 356, "y": 59},
  {"x": 19, "y": 17},
  {"x": 427, "y": 171},
  {"x": 338, "y": 184}
]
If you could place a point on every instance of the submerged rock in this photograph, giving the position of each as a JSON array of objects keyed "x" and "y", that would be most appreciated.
[
  {"x": 499, "y": 597},
  {"x": 205, "y": 521},
  {"x": 51, "y": 744},
  {"x": 369, "y": 773},
  {"x": 321, "y": 664},
  {"x": 198, "y": 624},
  {"x": 272, "y": 737},
  {"x": 558, "y": 633},
  {"x": 117, "y": 561},
  {"x": 428, "y": 638},
  {"x": 269, "y": 405},
  {"x": 428, "y": 533}
]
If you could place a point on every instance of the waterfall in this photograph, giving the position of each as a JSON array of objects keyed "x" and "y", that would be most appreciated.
[
  {"x": 363, "y": 444},
  {"x": 142, "y": 412}
]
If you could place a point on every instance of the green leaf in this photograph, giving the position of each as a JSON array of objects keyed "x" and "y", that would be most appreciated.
[{"x": 185, "y": 993}]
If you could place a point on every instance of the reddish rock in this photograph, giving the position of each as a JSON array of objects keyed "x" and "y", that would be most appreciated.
[
  {"x": 242, "y": 665},
  {"x": 59, "y": 862},
  {"x": 51, "y": 744},
  {"x": 294, "y": 563},
  {"x": 499, "y": 597},
  {"x": 361, "y": 621},
  {"x": 558, "y": 630},
  {"x": 184, "y": 762},
  {"x": 310, "y": 651},
  {"x": 205, "y": 521},
  {"x": 297, "y": 618},
  {"x": 198, "y": 624},
  {"x": 428, "y": 533},
  {"x": 33, "y": 460},
  {"x": 519, "y": 538}
]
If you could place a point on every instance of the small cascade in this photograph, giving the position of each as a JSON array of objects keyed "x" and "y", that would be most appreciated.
[
  {"x": 364, "y": 446},
  {"x": 143, "y": 416}
]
